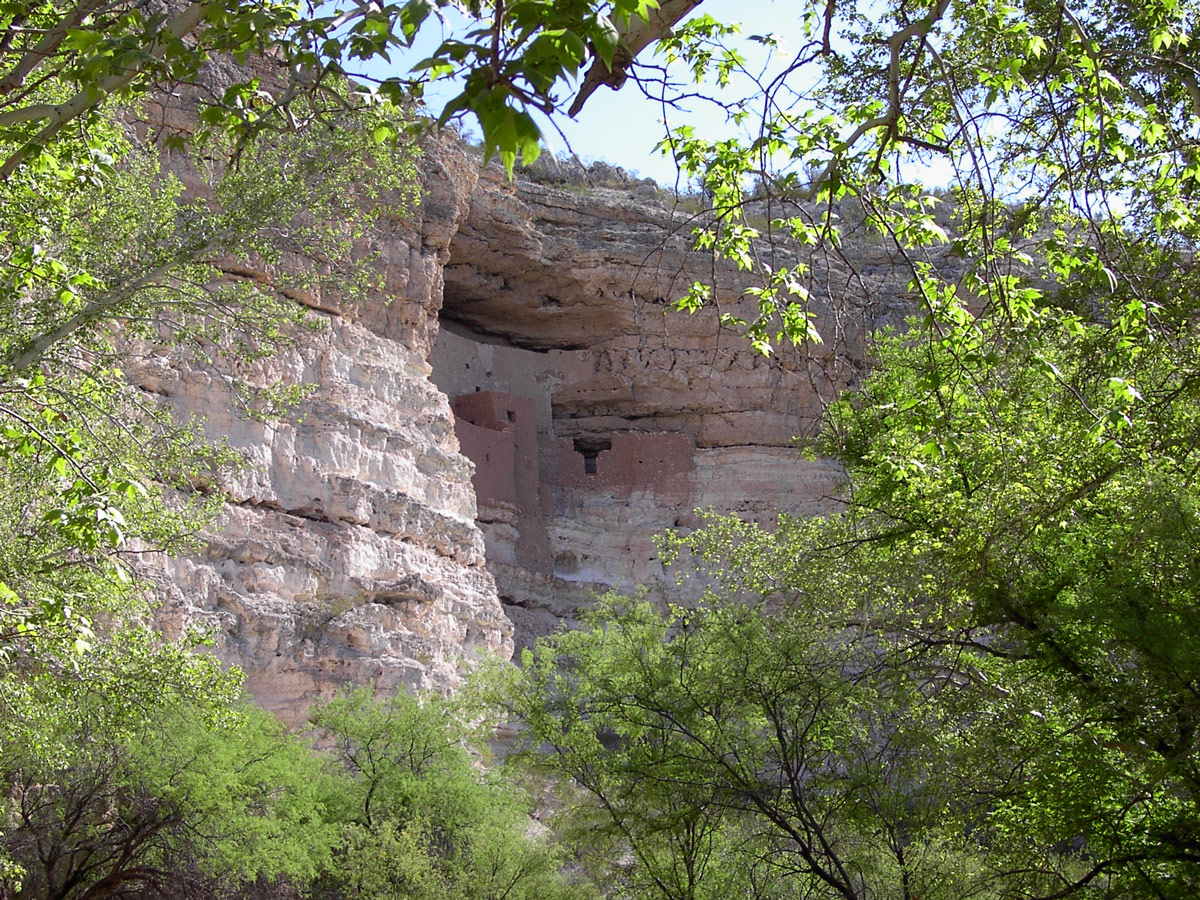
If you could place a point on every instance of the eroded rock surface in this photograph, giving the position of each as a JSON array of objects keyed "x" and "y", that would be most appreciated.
[
  {"x": 596, "y": 418},
  {"x": 443, "y": 484},
  {"x": 347, "y": 551}
]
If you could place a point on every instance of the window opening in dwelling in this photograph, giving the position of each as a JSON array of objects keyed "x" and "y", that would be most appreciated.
[{"x": 590, "y": 448}]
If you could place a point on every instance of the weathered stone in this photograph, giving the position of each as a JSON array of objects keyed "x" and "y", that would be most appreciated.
[
  {"x": 347, "y": 551},
  {"x": 354, "y": 547},
  {"x": 555, "y": 311}
]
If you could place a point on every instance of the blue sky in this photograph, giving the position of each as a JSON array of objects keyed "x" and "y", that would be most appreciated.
[{"x": 622, "y": 127}]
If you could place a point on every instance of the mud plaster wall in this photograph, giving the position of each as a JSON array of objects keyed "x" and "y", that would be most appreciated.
[
  {"x": 509, "y": 391},
  {"x": 654, "y": 462},
  {"x": 564, "y": 518},
  {"x": 464, "y": 363},
  {"x": 497, "y": 431},
  {"x": 494, "y": 452},
  {"x": 601, "y": 487}
]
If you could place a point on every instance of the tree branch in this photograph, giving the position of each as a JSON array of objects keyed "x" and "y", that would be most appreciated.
[
  {"x": 182, "y": 24},
  {"x": 635, "y": 36}
]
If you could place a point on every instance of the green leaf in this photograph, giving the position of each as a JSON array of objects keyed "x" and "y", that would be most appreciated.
[{"x": 605, "y": 38}]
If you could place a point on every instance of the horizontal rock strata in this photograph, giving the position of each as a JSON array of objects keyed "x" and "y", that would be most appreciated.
[
  {"x": 596, "y": 417},
  {"x": 448, "y": 481},
  {"x": 347, "y": 550}
]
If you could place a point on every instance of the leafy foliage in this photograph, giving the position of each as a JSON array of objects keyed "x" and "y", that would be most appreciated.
[
  {"x": 980, "y": 679},
  {"x": 61, "y": 64},
  {"x": 128, "y": 765},
  {"x": 138, "y": 771},
  {"x": 825, "y": 724},
  {"x": 141, "y": 773},
  {"x": 1047, "y": 503},
  {"x": 422, "y": 819},
  {"x": 1063, "y": 136},
  {"x": 1017, "y": 534},
  {"x": 92, "y": 268}
]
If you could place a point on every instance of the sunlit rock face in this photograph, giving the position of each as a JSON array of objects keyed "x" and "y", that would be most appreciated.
[
  {"x": 500, "y": 433},
  {"x": 347, "y": 550}
]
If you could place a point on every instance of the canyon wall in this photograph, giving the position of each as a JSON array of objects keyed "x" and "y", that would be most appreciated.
[
  {"x": 598, "y": 418},
  {"x": 498, "y": 435},
  {"x": 347, "y": 551}
]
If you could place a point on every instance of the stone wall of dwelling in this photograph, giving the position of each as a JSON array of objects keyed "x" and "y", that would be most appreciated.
[
  {"x": 572, "y": 499},
  {"x": 501, "y": 438},
  {"x": 651, "y": 462},
  {"x": 464, "y": 363},
  {"x": 494, "y": 452}
]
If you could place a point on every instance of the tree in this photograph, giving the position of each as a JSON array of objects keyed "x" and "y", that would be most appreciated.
[
  {"x": 1009, "y": 594},
  {"x": 61, "y": 63},
  {"x": 114, "y": 786},
  {"x": 1021, "y": 465},
  {"x": 1054, "y": 104},
  {"x": 94, "y": 268},
  {"x": 739, "y": 754},
  {"x": 420, "y": 817},
  {"x": 1019, "y": 488},
  {"x": 835, "y": 720},
  {"x": 1048, "y": 502},
  {"x": 140, "y": 773}
]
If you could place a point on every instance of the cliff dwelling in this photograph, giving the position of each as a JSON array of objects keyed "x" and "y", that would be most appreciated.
[
  {"x": 595, "y": 425},
  {"x": 445, "y": 496},
  {"x": 564, "y": 517}
]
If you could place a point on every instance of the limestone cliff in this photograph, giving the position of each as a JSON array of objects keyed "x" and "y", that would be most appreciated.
[
  {"x": 596, "y": 417},
  {"x": 347, "y": 551},
  {"x": 447, "y": 482}
]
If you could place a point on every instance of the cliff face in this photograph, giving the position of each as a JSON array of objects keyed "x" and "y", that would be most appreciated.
[
  {"x": 555, "y": 311},
  {"x": 443, "y": 485},
  {"x": 347, "y": 551}
]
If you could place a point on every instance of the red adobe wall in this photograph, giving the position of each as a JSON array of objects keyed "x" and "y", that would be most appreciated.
[
  {"x": 489, "y": 428},
  {"x": 494, "y": 453},
  {"x": 654, "y": 462},
  {"x": 498, "y": 432}
]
